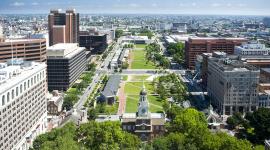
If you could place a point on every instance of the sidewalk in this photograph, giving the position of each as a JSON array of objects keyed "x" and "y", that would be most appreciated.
[{"x": 122, "y": 99}]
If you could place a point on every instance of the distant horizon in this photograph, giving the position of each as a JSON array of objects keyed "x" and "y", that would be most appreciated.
[
  {"x": 189, "y": 7},
  {"x": 147, "y": 14}
]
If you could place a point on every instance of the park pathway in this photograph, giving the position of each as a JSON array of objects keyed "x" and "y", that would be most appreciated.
[{"x": 122, "y": 99}]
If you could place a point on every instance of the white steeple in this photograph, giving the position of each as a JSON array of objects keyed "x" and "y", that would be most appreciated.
[{"x": 143, "y": 109}]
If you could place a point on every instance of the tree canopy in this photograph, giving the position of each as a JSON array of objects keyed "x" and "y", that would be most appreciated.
[
  {"x": 188, "y": 130},
  {"x": 92, "y": 135}
]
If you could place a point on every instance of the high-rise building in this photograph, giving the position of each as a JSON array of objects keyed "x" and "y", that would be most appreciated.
[
  {"x": 27, "y": 49},
  {"x": 1, "y": 31},
  {"x": 197, "y": 46},
  {"x": 66, "y": 62},
  {"x": 232, "y": 84},
  {"x": 63, "y": 27},
  {"x": 266, "y": 22},
  {"x": 1, "y": 34},
  {"x": 97, "y": 44},
  {"x": 23, "y": 105}
]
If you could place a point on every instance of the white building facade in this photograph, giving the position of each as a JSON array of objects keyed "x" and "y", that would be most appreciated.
[
  {"x": 252, "y": 48},
  {"x": 23, "y": 107}
]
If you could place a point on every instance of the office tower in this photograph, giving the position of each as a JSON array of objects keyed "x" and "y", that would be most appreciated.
[
  {"x": 63, "y": 27},
  {"x": 1, "y": 34},
  {"x": 232, "y": 84},
  {"x": 66, "y": 62},
  {"x": 197, "y": 46},
  {"x": 1, "y": 31},
  {"x": 23, "y": 108},
  {"x": 97, "y": 44},
  {"x": 27, "y": 49},
  {"x": 266, "y": 22}
]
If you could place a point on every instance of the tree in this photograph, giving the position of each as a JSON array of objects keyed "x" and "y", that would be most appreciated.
[
  {"x": 61, "y": 139},
  {"x": 69, "y": 101},
  {"x": 106, "y": 135},
  {"x": 119, "y": 33},
  {"x": 92, "y": 114},
  {"x": 235, "y": 120},
  {"x": 188, "y": 130},
  {"x": 92, "y": 66},
  {"x": 260, "y": 121},
  {"x": 176, "y": 50}
]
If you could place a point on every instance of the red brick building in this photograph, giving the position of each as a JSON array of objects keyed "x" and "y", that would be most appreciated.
[
  {"x": 27, "y": 49},
  {"x": 197, "y": 46}
]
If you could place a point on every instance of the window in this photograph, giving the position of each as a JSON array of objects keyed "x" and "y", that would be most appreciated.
[
  {"x": 28, "y": 84},
  {"x": 12, "y": 94},
  {"x": 3, "y": 100},
  {"x": 31, "y": 81},
  {"x": 35, "y": 79},
  {"x": 24, "y": 85},
  {"x": 17, "y": 91},
  {"x": 21, "y": 88},
  {"x": 8, "y": 97}
]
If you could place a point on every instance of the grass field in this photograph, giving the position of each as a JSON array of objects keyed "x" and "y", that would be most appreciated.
[
  {"x": 132, "y": 104},
  {"x": 134, "y": 88},
  {"x": 132, "y": 91},
  {"x": 140, "y": 45},
  {"x": 139, "y": 61},
  {"x": 138, "y": 77}
]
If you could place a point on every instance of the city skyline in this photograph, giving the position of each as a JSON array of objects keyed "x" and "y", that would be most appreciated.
[{"x": 203, "y": 7}]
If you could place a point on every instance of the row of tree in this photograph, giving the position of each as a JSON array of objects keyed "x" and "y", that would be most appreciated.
[
  {"x": 153, "y": 51},
  {"x": 170, "y": 86},
  {"x": 187, "y": 130},
  {"x": 253, "y": 126},
  {"x": 72, "y": 96},
  {"x": 176, "y": 50},
  {"x": 92, "y": 135}
]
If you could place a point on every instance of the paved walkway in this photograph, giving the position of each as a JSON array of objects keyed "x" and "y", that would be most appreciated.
[{"x": 122, "y": 99}]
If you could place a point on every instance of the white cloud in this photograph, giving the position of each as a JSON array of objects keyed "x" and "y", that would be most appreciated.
[
  {"x": 241, "y": 5},
  {"x": 133, "y": 5},
  {"x": 35, "y": 4},
  {"x": 229, "y": 5},
  {"x": 215, "y": 5},
  {"x": 17, "y": 4},
  {"x": 154, "y": 5},
  {"x": 193, "y": 4}
]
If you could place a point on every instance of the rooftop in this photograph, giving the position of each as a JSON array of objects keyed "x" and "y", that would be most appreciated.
[
  {"x": 231, "y": 63},
  {"x": 112, "y": 86},
  {"x": 21, "y": 40},
  {"x": 12, "y": 74},
  {"x": 64, "y": 50}
]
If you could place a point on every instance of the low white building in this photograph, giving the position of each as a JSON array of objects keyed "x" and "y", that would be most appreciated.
[
  {"x": 252, "y": 48},
  {"x": 136, "y": 39}
]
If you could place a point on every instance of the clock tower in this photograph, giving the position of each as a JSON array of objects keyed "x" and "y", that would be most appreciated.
[{"x": 143, "y": 108}]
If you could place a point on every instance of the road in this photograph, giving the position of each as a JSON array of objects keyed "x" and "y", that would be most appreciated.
[{"x": 101, "y": 69}]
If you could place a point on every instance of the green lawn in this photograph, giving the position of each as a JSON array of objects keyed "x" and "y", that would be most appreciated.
[
  {"x": 139, "y": 61},
  {"x": 134, "y": 88},
  {"x": 125, "y": 78},
  {"x": 140, "y": 45},
  {"x": 132, "y": 104},
  {"x": 138, "y": 77},
  {"x": 132, "y": 91}
]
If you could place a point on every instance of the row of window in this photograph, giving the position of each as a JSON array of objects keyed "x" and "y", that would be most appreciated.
[{"x": 6, "y": 98}]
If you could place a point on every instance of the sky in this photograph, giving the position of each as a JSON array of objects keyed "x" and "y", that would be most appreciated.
[{"x": 203, "y": 7}]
